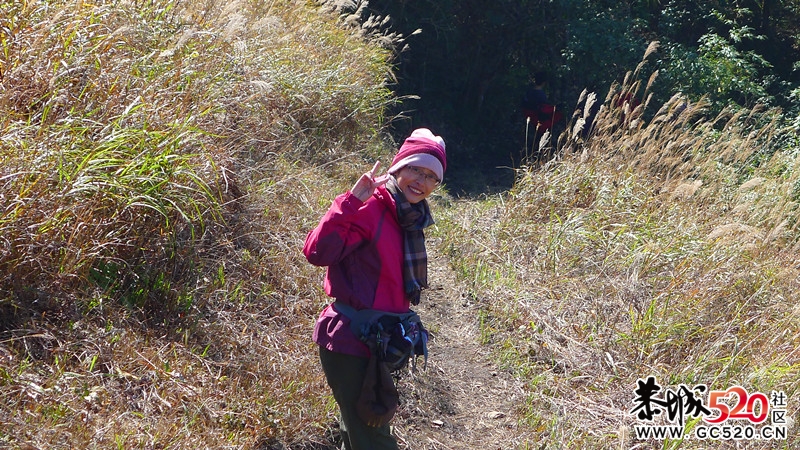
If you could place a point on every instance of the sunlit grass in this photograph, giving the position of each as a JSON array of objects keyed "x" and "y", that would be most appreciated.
[
  {"x": 662, "y": 245},
  {"x": 161, "y": 163}
]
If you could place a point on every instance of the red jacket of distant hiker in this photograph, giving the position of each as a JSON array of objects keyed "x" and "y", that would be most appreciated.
[{"x": 361, "y": 244}]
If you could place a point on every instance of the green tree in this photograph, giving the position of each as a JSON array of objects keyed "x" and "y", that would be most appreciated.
[
  {"x": 473, "y": 58},
  {"x": 718, "y": 70}
]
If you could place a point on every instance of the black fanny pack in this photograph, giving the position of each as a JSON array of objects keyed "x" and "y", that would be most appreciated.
[{"x": 396, "y": 338}]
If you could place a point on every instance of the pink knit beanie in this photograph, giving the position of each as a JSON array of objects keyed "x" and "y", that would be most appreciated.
[{"x": 421, "y": 149}]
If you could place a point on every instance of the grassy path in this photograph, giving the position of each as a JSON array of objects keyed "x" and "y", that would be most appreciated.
[{"x": 463, "y": 400}]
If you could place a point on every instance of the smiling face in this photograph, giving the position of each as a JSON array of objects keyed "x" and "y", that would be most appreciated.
[{"x": 417, "y": 183}]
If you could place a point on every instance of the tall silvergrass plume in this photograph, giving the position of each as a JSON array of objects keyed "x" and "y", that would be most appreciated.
[
  {"x": 525, "y": 152},
  {"x": 620, "y": 112},
  {"x": 658, "y": 244},
  {"x": 354, "y": 14},
  {"x": 539, "y": 143},
  {"x": 583, "y": 119}
]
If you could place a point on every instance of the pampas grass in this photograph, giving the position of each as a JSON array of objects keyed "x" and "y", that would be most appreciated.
[
  {"x": 161, "y": 164},
  {"x": 661, "y": 244}
]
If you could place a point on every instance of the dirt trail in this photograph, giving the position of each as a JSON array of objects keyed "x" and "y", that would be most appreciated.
[{"x": 463, "y": 400}]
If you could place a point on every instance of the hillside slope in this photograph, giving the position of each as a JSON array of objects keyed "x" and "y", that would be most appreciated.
[{"x": 162, "y": 164}]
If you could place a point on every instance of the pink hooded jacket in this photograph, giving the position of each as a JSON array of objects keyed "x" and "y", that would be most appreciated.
[{"x": 361, "y": 244}]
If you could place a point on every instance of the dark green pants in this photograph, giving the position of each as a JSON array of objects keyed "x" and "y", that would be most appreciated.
[{"x": 345, "y": 374}]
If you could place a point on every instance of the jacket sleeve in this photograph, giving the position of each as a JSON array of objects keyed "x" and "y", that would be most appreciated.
[{"x": 338, "y": 233}]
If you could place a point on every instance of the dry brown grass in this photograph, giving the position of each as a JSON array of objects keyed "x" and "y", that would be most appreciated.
[
  {"x": 161, "y": 164},
  {"x": 660, "y": 246}
]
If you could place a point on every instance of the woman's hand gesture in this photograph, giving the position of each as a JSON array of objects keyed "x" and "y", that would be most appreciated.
[{"x": 366, "y": 185}]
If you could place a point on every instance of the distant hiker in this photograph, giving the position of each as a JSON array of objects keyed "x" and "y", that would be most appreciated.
[
  {"x": 535, "y": 95},
  {"x": 371, "y": 241},
  {"x": 539, "y": 114},
  {"x": 536, "y": 107}
]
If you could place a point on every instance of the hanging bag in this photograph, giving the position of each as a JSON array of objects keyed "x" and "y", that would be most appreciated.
[{"x": 393, "y": 340}]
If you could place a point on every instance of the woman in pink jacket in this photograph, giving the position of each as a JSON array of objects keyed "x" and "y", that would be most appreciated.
[{"x": 371, "y": 241}]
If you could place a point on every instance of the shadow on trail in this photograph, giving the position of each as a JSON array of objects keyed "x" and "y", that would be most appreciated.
[
  {"x": 476, "y": 172},
  {"x": 488, "y": 164}
]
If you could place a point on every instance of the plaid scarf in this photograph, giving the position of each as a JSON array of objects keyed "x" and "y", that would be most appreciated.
[{"x": 413, "y": 218}]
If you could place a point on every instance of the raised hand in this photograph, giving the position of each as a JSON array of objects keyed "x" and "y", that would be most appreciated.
[{"x": 366, "y": 185}]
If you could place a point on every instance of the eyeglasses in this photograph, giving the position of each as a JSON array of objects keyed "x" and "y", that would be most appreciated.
[{"x": 426, "y": 177}]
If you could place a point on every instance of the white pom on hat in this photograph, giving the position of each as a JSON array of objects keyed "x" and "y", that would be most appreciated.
[{"x": 428, "y": 134}]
